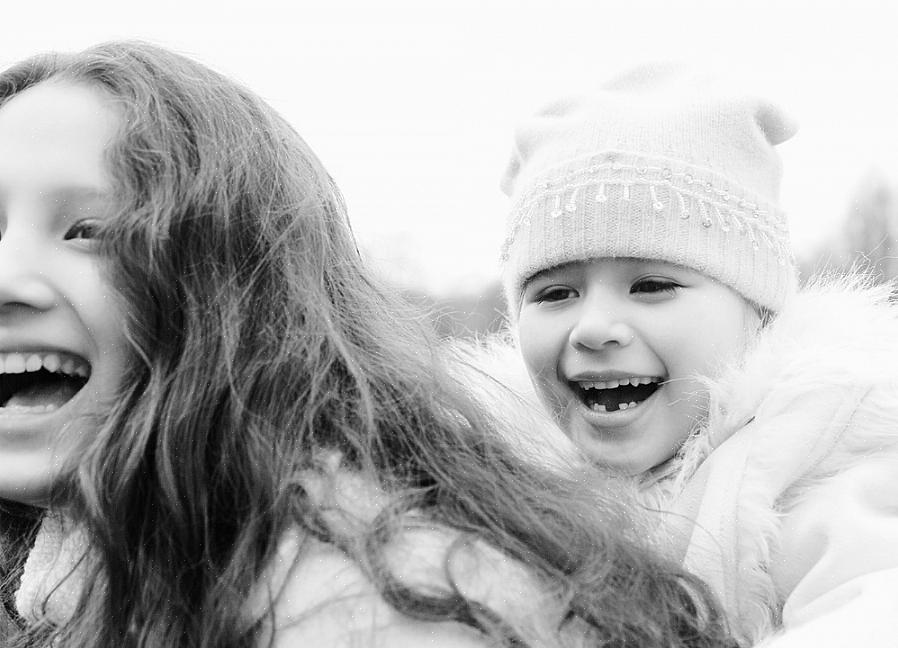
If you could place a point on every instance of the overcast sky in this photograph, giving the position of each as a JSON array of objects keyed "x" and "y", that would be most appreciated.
[{"x": 411, "y": 104}]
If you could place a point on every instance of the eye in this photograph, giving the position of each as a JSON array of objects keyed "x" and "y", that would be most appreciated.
[
  {"x": 555, "y": 294},
  {"x": 83, "y": 229},
  {"x": 654, "y": 286}
]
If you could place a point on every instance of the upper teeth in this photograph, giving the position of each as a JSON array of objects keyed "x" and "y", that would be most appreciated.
[
  {"x": 13, "y": 363},
  {"x": 611, "y": 384}
]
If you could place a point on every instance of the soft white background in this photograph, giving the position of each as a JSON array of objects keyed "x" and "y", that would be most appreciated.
[{"x": 411, "y": 103}]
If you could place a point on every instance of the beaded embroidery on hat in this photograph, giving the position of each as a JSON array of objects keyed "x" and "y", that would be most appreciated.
[{"x": 673, "y": 188}]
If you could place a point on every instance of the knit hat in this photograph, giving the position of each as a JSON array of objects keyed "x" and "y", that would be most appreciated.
[{"x": 659, "y": 164}]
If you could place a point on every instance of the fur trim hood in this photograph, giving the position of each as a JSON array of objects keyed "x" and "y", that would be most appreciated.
[{"x": 814, "y": 396}]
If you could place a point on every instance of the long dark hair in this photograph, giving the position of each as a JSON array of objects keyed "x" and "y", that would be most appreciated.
[{"x": 260, "y": 344}]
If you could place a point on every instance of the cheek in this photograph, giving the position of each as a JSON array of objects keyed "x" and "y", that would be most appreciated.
[
  {"x": 700, "y": 344},
  {"x": 538, "y": 342},
  {"x": 113, "y": 339},
  {"x": 733, "y": 330},
  {"x": 103, "y": 311},
  {"x": 721, "y": 340},
  {"x": 542, "y": 343}
]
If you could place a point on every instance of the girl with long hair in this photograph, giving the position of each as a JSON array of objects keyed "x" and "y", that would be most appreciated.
[{"x": 218, "y": 429}]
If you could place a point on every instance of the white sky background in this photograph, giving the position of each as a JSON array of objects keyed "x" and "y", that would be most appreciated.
[{"x": 411, "y": 104}]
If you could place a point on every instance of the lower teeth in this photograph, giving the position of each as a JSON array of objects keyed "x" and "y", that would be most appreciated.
[{"x": 598, "y": 407}]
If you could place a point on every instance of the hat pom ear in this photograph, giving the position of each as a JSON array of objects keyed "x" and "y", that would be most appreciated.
[
  {"x": 648, "y": 77},
  {"x": 511, "y": 172},
  {"x": 775, "y": 123}
]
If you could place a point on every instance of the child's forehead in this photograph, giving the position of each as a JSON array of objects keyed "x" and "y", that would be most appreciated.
[{"x": 609, "y": 264}]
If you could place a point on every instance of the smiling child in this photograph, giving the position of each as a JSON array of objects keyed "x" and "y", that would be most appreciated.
[
  {"x": 649, "y": 277},
  {"x": 63, "y": 326},
  {"x": 617, "y": 347}
]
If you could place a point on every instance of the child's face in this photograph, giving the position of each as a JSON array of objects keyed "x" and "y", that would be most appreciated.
[
  {"x": 614, "y": 347},
  {"x": 61, "y": 328}
]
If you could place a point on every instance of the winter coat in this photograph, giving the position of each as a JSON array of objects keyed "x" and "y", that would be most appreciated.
[
  {"x": 792, "y": 483},
  {"x": 314, "y": 594},
  {"x": 785, "y": 501}
]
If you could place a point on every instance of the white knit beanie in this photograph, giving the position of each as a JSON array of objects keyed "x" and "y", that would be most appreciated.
[{"x": 659, "y": 164}]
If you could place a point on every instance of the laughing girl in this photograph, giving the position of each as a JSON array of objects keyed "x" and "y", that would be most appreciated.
[
  {"x": 649, "y": 274},
  {"x": 218, "y": 430}
]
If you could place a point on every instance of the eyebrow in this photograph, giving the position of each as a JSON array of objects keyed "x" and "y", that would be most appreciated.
[
  {"x": 539, "y": 275},
  {"x": 79, "y": 194},
  {"x": 80, "y": 202},
  {"x": 70, "y": 194},
  {"x": 554, "y": 270}
]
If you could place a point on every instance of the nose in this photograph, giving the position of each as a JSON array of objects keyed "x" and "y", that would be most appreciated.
[
  {"x": 598, "y": 329},
  {"x": 24, "y": 285}
]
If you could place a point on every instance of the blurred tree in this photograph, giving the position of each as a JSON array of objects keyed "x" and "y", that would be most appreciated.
[
  {"x": 869, "y": 233},
  {"x": 867, "y": 238},
  {"x": 465, "y": 315}
]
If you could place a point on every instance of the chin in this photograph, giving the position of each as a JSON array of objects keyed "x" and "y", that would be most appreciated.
[
  {"x": 27, "y": 481},
  {"x": 37, "y": 494}
]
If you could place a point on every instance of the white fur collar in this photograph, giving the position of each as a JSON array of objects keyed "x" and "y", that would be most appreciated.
[
  {"x": 815, "y": 392},
  {"x": 839, "y": 333}
]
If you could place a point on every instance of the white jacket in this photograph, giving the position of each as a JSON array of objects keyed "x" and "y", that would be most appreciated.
[
  {"x": 793, "y": 484},
  {"x": 314, "y": 594}
]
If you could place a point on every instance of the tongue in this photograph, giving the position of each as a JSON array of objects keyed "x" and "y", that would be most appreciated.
[{"x": 54, "y": 393}]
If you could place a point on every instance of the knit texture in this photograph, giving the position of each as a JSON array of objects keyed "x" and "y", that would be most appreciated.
[{"x": 656, "y": 165}]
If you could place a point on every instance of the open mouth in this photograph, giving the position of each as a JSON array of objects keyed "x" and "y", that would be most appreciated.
[
  {"x": 35, "y": 383},
  {"x": 614, "y": 395}
]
